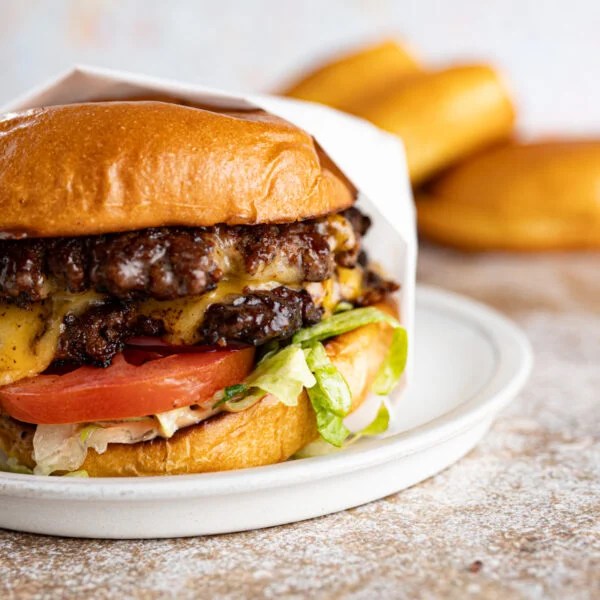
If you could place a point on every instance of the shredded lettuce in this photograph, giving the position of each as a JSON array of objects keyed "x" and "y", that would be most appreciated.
[
  {"x": 230, "y": 394},
  {"x": 379, "y": 424},
  {"x": 80, "y": 473},
  {"x": 12, "y": 465},
  {"x": 321, "y": 447},
  {"x": 330, "y": 396},
  {"x": 331, "y": 428},
  {"x": 345, "y": 321},
  {"x": 329, "y": 381},
  {"x": 342, "y": 307},
  {"x": 64, "y": 447},
  {"x": 283, "y": 374},
  {"x": 342, "y": 322},
  {"x": 305, "y": 364},
  {"x": 394, "y": 363}
]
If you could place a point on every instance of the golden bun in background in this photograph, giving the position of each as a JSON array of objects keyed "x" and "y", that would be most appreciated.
[
  {"x": 344, "y": 82},
  {"x": 86, "y": 169},
  {"x": 537, "y": 196},
  {"x": 268, "y": 432},
  {"x": 443, "y": 116}
]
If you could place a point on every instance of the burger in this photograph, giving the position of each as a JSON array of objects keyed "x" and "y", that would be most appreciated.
[{"x": 182, "y": 290}]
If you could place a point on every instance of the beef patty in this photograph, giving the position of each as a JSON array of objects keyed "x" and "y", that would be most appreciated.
[
  {"x": 99, "y": 333},
  {"x": 173, "y": 262},
  {"x": 259, "y": 317},
  {"x": 254, "y": 317}
]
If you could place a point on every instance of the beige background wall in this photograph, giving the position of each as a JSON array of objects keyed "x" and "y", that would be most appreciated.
[{"x": 549, "y": 48}]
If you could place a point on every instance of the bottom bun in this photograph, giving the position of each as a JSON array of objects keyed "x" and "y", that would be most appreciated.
[{"x": 266, "y": 433}]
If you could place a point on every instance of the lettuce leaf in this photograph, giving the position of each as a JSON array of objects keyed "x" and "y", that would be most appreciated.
[
  {"x": 283, "y": 374},
  {"x": 379, "y": 424},
  {"x": 81, "y": 473},
  {"x": 321, "y": 447},
  {"x": 64, "y": 447},
  {"x": 12, "y": 465},
  {"x": 342, "y": 322},
  {"x": 336, "y": 396},
  {"x": 330, "y": 396},
  {"x": 331, "y": 428},
  {"x": 304, "y": 364},
  {"x": 394, "y": 363}
]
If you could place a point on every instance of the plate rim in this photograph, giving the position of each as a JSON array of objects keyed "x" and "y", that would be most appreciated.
[{"x": 515, "y": 361}]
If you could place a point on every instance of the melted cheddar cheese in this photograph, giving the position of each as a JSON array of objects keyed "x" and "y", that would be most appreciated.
[{"x": 29, "y": 336}]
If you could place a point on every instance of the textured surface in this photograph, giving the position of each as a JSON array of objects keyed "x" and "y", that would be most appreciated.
[{"x": 526, "y": 502}]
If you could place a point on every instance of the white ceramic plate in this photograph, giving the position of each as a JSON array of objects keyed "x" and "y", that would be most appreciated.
[{"x": 470, "y": 362}]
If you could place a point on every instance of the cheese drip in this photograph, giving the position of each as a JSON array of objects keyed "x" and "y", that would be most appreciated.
[{"x": 29, "y": 336}]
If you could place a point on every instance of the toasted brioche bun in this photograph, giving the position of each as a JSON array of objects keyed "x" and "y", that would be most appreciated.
[
  {"x": 442, "y": 116},
  {"x": 539, "y": 196},
  {"x": 85, "y": 169},
  {"x": 345, "y": 82},
  {"x": 268, "y": 432}
]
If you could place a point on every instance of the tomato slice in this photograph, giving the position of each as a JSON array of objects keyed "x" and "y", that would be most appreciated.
[{"x": 139, "y": 382}]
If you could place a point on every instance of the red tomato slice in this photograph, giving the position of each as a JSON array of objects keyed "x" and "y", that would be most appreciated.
[{"x": 142, "y": 384}]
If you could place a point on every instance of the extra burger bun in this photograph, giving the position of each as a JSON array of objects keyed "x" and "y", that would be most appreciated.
[
  {"x": 269, "y": 432},
  {"x": 347, "y": 81},
  {"x": 538, "y": 196},
  {"x": 85, "y": 169},
  {"x": 443, "y": 116}
]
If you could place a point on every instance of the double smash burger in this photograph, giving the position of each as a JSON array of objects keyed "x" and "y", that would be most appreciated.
[{"x": 181, "y": 291}]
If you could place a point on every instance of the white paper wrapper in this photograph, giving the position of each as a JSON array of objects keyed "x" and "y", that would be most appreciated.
[{"x": 373, "y": 160}]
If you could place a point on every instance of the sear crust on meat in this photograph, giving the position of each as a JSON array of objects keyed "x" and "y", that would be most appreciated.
[
  {"x": 164, "y": 263},
  {"x": 254, "y": 317},
  {"x": 22, "y": 273},
  {"x": 260, "y": 317},
  {"x": 375, "y": 289},
  {"x": 98, "y": 334},
  {"x": 173, "y": 262}
]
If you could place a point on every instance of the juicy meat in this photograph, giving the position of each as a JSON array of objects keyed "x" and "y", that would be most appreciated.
[
  {"x": 259, "y": 317},
  {"x": 360, "y": 222},
  {"x": 22, "y": 277},
  {"x": 375, "y": 289},
  {"x": 67, "y": 261},
  {"x": 162, "y": 263},
  {"x": 98, "y": 334},
  {"x": 301, "y": 248},
  {"x": 173, "y": 262},
  {"x": 255, "y": 317},
  {"x": 95, "y": 336}
]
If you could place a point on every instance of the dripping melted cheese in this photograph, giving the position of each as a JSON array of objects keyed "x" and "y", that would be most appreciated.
[{"x": 29, "y": 336}]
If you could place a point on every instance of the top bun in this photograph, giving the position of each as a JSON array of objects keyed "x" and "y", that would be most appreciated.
[{"x": 85, "y": 169}]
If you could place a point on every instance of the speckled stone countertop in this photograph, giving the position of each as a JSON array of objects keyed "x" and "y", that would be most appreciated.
[{"x": 519, "y": 517}]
